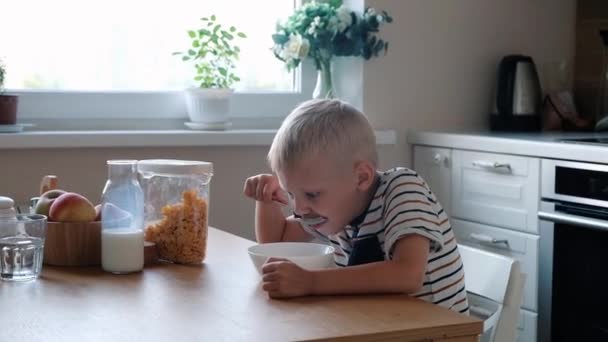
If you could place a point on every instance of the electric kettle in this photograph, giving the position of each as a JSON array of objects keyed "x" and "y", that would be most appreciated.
[{"x": 517, "y": 99}]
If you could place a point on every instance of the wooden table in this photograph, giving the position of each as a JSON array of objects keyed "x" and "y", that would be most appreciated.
[{"x": 221, "y": 300}]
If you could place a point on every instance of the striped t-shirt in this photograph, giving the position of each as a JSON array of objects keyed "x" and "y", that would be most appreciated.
[{"x": 403, "y": 204}]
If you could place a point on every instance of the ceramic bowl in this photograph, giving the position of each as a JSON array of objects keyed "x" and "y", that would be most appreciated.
[{"x": 310, "y": 256}]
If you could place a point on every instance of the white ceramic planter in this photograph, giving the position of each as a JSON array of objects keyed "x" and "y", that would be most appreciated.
[{"x": 208, "y": 108}]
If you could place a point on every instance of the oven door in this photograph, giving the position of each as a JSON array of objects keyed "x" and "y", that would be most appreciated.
[{"x": 573, "y": 273}]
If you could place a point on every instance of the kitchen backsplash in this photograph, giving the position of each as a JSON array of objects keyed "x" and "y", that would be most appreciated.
[{"x": 592, "y": 15}]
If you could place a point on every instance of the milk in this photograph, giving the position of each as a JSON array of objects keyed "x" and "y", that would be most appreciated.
[{"x": 122, "y": 250}]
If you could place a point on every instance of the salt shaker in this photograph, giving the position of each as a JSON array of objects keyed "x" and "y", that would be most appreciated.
[{"x": 122, "y": 212}]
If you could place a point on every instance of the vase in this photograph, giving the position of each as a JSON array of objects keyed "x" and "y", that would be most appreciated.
[{"x": 325, "y": 87}]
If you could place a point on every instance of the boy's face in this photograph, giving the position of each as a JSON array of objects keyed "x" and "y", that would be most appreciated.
[{"x": 327, "y": 196}]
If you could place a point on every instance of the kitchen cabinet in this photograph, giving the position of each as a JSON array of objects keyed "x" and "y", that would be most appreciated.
[
  {"x": 492, "y": 201},
  {"x": 434, "y": 165}
]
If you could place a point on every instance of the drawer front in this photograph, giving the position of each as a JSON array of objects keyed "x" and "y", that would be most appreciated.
[
  {"x": 516, "y": 245},
  {"x": 526, "y": 328},
  {"x": 497, "y": 189},
  {"x": 433, "y": 164}
]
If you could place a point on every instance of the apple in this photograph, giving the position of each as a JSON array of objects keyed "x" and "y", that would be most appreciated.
[
  {"x": 72, "y": 207},
  {"x": 98, "y": 212},
  {"x": 46, "y": 199}
]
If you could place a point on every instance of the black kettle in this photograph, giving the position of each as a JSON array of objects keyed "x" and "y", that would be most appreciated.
[{"x": 518, "y": 96}]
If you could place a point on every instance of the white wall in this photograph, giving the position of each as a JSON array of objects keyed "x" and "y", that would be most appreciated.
[
  {"x": 440, "y": 69},
  {"x": 438, "y": 74}
]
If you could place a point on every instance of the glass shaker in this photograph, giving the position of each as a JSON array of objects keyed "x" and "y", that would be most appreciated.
[
  {"x": 177, "y": 207},
  {"x": 122, "y": 213},
  {"x": 21, "y": 243}
]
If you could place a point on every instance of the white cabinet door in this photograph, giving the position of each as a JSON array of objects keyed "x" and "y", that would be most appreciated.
[
  {"x": 433, "y": 164},
  {"x": 497, "y": 189},
  {"x": 517, "y": 245}
]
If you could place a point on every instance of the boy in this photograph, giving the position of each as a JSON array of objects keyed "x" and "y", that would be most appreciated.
[{"x": 389, "y": 232}]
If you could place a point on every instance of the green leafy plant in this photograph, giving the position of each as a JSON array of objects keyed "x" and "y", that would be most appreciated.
[
  {"x": 213, "y": 54},
  {"x": 321, "y": 30}
]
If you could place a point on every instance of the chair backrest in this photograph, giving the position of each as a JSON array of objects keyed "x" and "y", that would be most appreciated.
[{"x": 497, "y": 283}]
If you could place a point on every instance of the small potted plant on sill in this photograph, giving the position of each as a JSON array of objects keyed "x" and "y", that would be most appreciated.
[
  {"x": 213, "y": 55},
  {"x": 8, "y": 103}
]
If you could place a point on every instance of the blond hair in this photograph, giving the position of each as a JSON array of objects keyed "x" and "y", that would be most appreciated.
[{"x": 323, "y": 128}]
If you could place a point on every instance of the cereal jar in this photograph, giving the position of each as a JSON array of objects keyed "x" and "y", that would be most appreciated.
[{"x": 176, "y": 207}]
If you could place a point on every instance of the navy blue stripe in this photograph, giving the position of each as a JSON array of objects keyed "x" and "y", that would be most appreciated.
[
  {"x": 440, "y": 212},
  {"x": 334, "y": 242},
  {"x": 449, "y": 297},
  {"x": 415, "y": 175},
  {"x": 447, "y": 230},
  {"x": 464, "y": 310},
  {"x": 407, "y": 192},
  {"x": 388, "y": 224},
  {"x": 339, "y": 264},
  {"x": 443, "y": 255},
  {"x": 371, "y": 211},
  {"x": 442, "y": 278},
  {"x": 432, "y": 231}
]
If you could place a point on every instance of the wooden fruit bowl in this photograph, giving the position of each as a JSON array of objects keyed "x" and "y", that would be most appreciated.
[{"x": 73, "y": 244}]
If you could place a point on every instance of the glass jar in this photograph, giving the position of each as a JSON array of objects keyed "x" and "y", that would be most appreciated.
[
  {"x": 176, "y": 210},
  {"x": 122, "y": 216}
]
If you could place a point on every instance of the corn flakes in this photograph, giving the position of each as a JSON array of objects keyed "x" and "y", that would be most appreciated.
[{"x": 181, "y": 235}]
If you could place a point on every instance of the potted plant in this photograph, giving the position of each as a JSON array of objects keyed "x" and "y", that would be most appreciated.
[
  {"x": 213, "y": 55},
  {"x": 8, "y": 103},
  {"x": 322, "y": 30}
]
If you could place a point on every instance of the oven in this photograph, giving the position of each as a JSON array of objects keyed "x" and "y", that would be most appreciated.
[{"x": 573, "y": 252}]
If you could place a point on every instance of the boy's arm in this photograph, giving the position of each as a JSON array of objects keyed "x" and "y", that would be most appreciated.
[
  {"x": 272, "y": 226},
  {"x": 403, "y": 274}
]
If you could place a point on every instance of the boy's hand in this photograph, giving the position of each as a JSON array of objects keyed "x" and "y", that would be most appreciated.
[
  {"x": 265, "y": 188},
  {"x": 284, "y": 279}
]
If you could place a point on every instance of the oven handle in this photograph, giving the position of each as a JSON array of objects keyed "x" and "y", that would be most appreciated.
[{"x": 575, "y": 220}]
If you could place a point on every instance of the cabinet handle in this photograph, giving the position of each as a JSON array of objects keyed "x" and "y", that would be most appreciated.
[
  {"x": 479, "y": 311},
  {"x": 492, "y": 165},
  {"x": 437, "y": 158},
  {"x": 488, "y": 239}
]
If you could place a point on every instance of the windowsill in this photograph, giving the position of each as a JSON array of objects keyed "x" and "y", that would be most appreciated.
[{"x": 150, "y": 138}]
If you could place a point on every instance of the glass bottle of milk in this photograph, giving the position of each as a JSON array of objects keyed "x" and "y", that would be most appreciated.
[{"x": 122, "y": 217}]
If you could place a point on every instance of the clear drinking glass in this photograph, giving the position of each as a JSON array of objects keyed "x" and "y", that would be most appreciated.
[{"x": 21, "y": 246}]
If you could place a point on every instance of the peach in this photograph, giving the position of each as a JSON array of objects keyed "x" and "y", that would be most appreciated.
[
  {"x": 72, "y": 207},
  {"x": 46, "y": 200}
]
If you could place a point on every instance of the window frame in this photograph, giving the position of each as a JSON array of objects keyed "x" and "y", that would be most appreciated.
[
  {"x": 94, "y": 105},
  {"x": 69, "y": 105}
]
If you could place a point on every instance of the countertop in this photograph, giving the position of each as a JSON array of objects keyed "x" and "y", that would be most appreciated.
[{"x": 542, "y": 145}]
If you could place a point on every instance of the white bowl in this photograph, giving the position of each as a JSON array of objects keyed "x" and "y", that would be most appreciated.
[{"x": 310, "y": 256}]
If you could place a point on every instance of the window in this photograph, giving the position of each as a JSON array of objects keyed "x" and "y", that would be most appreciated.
[{"x": 113, "y": 58}]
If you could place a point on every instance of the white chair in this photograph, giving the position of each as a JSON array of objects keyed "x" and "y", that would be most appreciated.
[{"x": 495, "y": 287}]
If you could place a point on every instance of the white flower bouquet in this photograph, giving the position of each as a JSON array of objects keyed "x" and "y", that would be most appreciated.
[{"x": 321, "y": 30}]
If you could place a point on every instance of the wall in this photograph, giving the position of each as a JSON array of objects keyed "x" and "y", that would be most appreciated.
[
  {"x": 84, "y": 171},
  {"x": 592, "y": 15},
  {"x": 438, "y": 74},
  {"x": 440, "y": 70}
]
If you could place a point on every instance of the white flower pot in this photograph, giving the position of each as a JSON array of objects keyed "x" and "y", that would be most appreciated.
[{"x": 208, "y": 108}]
